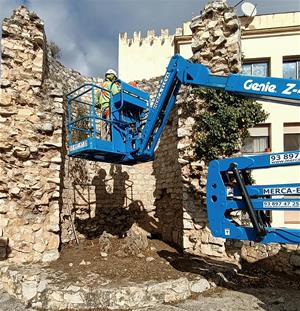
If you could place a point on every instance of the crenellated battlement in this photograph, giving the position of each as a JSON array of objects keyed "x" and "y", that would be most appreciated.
[
  {"x": 148, "y": 40},
  {"x": 157, "y": 49},
  {"x": 151, "y": 37}
]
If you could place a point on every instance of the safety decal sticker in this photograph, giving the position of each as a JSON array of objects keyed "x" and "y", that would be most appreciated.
[
  {"x": 82, "y": 144},
  {"x": 281, "y": 191},
  {"x": 285, "y": 158},
  {"x": 281, "y": 204}
]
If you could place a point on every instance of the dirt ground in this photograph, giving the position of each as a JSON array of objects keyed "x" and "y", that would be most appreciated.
[
  {"x": 160, "y": 261},
  {"x": 117, "y": 265}
]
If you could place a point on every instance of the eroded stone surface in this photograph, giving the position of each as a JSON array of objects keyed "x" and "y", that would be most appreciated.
[{"x": 40, "y": 287}]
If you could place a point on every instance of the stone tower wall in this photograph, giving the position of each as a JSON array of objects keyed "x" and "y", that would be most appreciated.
[
  {"x": 155, "y": 48},
  {"x": 216, "y": 44},
  {"x": 44, "y": 195},
  {"x": 181, "y": 181},
  {"x": 31, "y": 138},
  {"x": 134, "y": 50}
]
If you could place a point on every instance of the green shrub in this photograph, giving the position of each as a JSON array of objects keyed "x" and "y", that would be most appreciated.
[{"x": 222, "y": 122}]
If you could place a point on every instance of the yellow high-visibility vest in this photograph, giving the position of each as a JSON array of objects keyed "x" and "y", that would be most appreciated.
[{"x": 103, "y": 96}]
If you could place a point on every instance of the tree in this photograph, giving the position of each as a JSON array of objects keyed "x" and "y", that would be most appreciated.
[
  {"x": 55, "y": 50},
  {"x": 223, "y": 121}
]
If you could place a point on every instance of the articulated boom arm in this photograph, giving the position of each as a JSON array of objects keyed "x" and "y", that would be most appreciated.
[
  {"x": 267, "y": 88},
  {"x": 181, "y": 71},
  {"x": 236, "y": 208}
]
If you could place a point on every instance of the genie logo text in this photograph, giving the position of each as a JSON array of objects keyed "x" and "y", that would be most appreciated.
[{"x": 269, "y": 87}]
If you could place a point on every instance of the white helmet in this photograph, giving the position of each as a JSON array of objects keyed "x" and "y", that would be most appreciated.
[{"x": 111, "y": 71}]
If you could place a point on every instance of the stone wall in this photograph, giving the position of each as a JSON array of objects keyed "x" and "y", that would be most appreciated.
[
  {"x": 106, "y": 197},
  {"x": 44, "y": 196},
  {"x": 216, "y": 41},
  {"x": 181, "y": 181},
  {"x": 165, "y": 218},
  {"x": 216, "y": 44},
  {"x": 31, "y": 138}
]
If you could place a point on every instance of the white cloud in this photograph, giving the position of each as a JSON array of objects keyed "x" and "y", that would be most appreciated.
[{"x": 87, "y": 30}]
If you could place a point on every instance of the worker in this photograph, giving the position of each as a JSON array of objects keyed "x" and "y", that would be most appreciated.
[
  {"x": 109, "y": 88},
  {"x": 103, "y": 96}
]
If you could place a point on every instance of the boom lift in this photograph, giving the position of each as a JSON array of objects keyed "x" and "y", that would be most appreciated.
[{"x": 135, "y": 126}]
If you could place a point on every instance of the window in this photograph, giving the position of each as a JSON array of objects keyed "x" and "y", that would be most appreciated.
[
  {"x": 291, "y": 136},
  {"x": 256, "y": 68},
  {"x": 258, "y": 141},
  {"x": 291, "y": 69}
]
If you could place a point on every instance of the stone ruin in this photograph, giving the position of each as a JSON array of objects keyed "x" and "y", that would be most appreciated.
[{"x": 47, "y": 198}]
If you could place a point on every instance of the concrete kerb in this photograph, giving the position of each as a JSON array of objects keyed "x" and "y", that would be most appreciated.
[{"x": 39, "y": 287}]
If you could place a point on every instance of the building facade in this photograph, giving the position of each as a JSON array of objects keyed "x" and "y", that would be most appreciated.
[{"x": 271, "y": 47}]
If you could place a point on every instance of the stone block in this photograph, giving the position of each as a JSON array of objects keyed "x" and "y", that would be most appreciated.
[
  {"x": 233, "y": 25},
  {"x": 29, "y": 290},
  {"x": 199, "y": 285},
  {"x": 39, "y": 247},
  {"x": 187, "y": 243},
  {"x": 5, "y": 99},
  {"x": 22, "y": 153},
  {"x": 210, "y": 250},
  {"x": 50, "y": 256},
  {"x": 228, "y": 16},
  {"x": 182, "y": 132},
  {"x": 212, "y": 24},
  {"x": 33, "y": 82},
  {"x": 74, "y": 298},
  {"x": 188, "y": 224}
]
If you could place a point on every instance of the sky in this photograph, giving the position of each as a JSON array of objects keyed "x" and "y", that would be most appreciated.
[{"x": 87, "y": 31}]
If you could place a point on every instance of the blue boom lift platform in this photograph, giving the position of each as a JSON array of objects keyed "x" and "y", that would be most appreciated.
[{"x": 135, "y": 126}]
